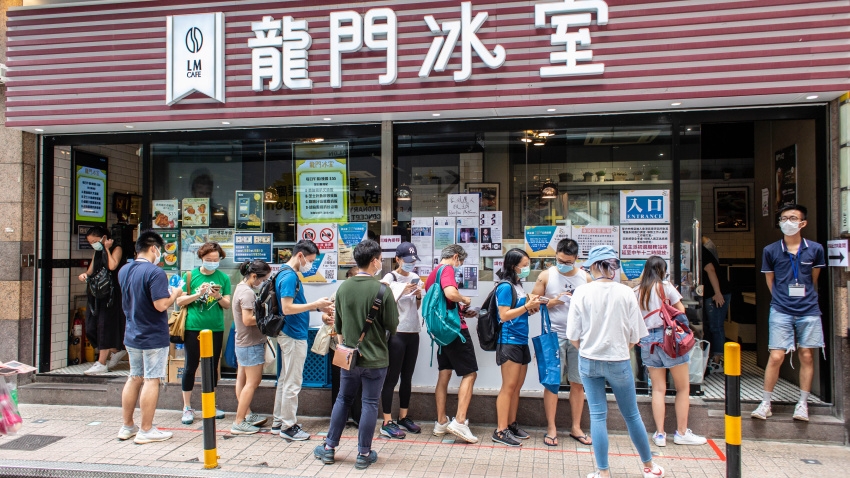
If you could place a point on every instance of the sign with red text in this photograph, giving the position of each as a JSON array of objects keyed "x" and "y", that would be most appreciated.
[
  {"x": 324, "y": 235},
  {"x": 641, "y": 242},
  {"x": 589, "y": 237}
]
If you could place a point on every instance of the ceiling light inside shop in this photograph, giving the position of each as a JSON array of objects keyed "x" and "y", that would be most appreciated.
[
  {"x": 128, "y": 126},
  {"x": 327, "y": 119},
  {"x": 39, "y": 130},
  {"x": 225, "y": 122},
  {"x": 525, "y": 140},
  {"x": 403, "y": 193},
  {"x": 435, "y": 114},
  {"x": 675, "y": 104},
  {"x": 812, "y": 97},
  {"x": 549, "y": 190},
  {"x": 318, "y": 140},
  {"x": 546, "y": 134},
  {"x": 271, "y": 195},
  {"x": 539, "y": 142},
  {"x": 661, "y": 154},
  {"x": 551, "y": 110}
]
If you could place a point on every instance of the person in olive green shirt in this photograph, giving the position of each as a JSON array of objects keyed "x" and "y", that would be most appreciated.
[
  {"x": 353, "y": 301},
  {"x": 207, "y": 296}
]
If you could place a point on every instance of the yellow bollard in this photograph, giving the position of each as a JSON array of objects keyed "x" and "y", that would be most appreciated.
[
  {"x": 208, "y": 399},
  {"x": 732, "y": 369}
]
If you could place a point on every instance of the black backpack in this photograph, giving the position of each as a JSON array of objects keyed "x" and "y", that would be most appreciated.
[
  {"x": 489, "y": 325},
  {"x": 270, "y": 319},
  {"x": 100, "y": 284}
]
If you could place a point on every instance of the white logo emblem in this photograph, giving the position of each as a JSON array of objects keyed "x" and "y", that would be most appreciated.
[{"x": 195, "y": 46}]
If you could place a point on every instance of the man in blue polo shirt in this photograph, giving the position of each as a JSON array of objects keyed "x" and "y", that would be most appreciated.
[
  {"x": 791, "y": 267},
  {"x": 293, "y": 337}
]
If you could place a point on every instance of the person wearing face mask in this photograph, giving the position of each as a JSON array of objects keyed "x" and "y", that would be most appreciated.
[
  {"x": 250, "y": 345},
  {"x": 512, "y": 352},
  {"x": 791, "y": 267},
  {"x": 208, "y": 296},
  {"x": 404, "y": 345},
  {"x": 293, "y": 337},
  {"x": 557, "y": 284},
  {"x": 604, "y": 323},
  {"x": 105, "y": 321}
]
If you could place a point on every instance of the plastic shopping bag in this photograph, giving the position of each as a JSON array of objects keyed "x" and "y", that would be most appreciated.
[
  {"x": 548, "y": 353},
  {"x": 230, "y": 348},
  {"x": 698, "y": 361},
  {"x": 10, "y": 419}
]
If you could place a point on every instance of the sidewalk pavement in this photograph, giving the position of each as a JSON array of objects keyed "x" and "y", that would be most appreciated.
[{"x": 85, "y": 441}]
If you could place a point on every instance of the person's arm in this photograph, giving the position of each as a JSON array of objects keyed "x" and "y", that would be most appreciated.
[
  {"x": 540, "y": 289},
  {"x": 820, "y": 262},
  {"x": 224, "y": 301},
  {"x": 574, "y": 320},
  {"x": 290, "y": 308},
  {"x": 454, "y": 295},
  {"x": 248, "y": 317},
  {"x": 768, "y": 277},
  {"x": 815, "y": 275},
  {"x": 767, "y": 268},
  {"x": 715, "y": 284},
  {"x": 158, "y": 288},
  {"x": 113, "y": 257}
]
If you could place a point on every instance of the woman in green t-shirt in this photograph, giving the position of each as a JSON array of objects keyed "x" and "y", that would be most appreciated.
[{"x": 207, "y": 295}]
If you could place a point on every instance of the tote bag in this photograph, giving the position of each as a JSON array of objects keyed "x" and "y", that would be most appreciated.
[
  {"x": 548, "y": 353},
  {"x": 230, "y": 348}
]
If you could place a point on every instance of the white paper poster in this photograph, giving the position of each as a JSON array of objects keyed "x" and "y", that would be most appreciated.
[
  {"x": 641, "y": 242},
  {"x": 388, "y": 245},
  {"x": 190, "y": 241},
  {"x": 497, "y": 266},
  {"x": 463, "y": 205},
  {"x": 422, "y": 234},
  {"x": 324, "y": 235},
  {"x": 467, "y": 280},
  {"x": 444, "y": 233},
  {"x": 589, "y": 237},
  {"x": 646, "y": 206},
  {"x": 491, "y": 234}
]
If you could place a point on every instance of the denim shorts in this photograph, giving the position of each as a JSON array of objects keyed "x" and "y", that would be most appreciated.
[
  {"x": 149, "y": 363},
  {"x": 783, "y": 328},
  {"x": 251, "y": 355},
  {"x": 658, "y": 359}
]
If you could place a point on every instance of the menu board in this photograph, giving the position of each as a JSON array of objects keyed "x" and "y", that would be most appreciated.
[
  {"x": 165, "y": 213},
  {"x": 589, "y": 237},
  {"x": 250, "y": 246},
  {"x": 491, "y": 234},
  {"x": 641, "y": 242},
  {"x": 249, "y": 210},
  {"x": 170, "y": 259},
  {"x": 196, "y": 212},
  {"x": 350, "y": 234},
  {"x": 321, "y": 182},
  {"x": 90, "y": 177}
]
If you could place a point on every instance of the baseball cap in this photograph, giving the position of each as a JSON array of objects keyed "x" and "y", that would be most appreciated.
[
  {"x": 407, "y": 251},
  {"x": 600, "y": 253}
]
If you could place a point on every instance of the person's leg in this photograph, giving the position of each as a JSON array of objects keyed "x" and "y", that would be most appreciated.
[
  {"x": 619, "y": 376},
  {"x": 510, "y": 380},
  {"x": 658, "y": 375},
  {"x": 714, "y": 322},
  {"x": 349, "y": 382},
  {"x": 240, "y": 383},
  {"x": 371, "y": 381},
  {"x": 252, "y": 375},
  {"x": 155, "y": 371},
  {"x": 594, "y": 386},
  {"x": 570, "y": 369},
  {"x": 523, "y": 370},
  {"x": 396, "y": 355},
  {"x": 807, "y": 368},
  {"x": 464, "y": 396},
  {"x": 405, "y": 387},
  {"x": 441, "y": 392},
  {"x": 550, "y": 408},
  {"x": 334, "y": 384},
  {"x": 771, "y": 371},
  {"x": 809, "y": 331},
  {"x": 294, "y": 356},
  {"x": 682, "y": 382},
  {"x": 780, "y": 342},
  {"x": 192, "y": 349},
  {"x": 576, "y": 408},
  {"x": 133, "y": 386},
  {"x": 277, "y": 412}
]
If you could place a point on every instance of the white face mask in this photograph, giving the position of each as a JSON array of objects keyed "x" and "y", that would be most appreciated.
[
  {"x": 98, "y": 246},
  {"x": 378, "y": 272},
  {"x": 408, "y": 266},
  {"x": 158, "y": 256},
  {"x": 789, "y": 228}
]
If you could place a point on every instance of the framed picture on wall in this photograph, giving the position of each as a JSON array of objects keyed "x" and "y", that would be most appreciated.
[
  {"x": 489, "y": 193},
  {"x": 731, "y": 209}
]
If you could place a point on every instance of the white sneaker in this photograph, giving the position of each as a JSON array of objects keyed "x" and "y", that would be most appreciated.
[
  {"x": 125, "y": 433},
  {"x": 461, "y": 430},
  {"x": 115, "y": 358},
  {"x": 660, "y": 439},
  {"x": 256, "y": 419},
  {"x": 441, "y": 429},
  {"x": 244, "y": 428},
  {"x": 689, "y": 438},
  {"x": 188, "y": 417},
  {"x": 151, "y": 436},
  {"x": 763, "y": 411},
  {"x": 96, "y": 369},
  {"x": 801, "y": 411},
  {"x": 654, "y": 472}
]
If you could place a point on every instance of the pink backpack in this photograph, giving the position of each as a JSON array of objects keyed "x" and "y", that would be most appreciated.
[{"x": 678, "y": 337}]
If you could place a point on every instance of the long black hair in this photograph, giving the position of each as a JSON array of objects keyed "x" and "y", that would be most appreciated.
[
  {"x": 512, "y": 260},
  {"x": 653, "y": 273}
]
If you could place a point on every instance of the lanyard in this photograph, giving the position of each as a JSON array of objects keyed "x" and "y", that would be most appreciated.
[{"x": 795, "y": 266}]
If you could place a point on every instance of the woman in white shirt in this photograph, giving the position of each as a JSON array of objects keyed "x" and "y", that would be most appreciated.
[
  {"x": 604, "y": 323},
  {"x": 654, "y": 280}
]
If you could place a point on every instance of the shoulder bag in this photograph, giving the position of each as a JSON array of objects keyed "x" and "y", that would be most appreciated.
[
  {"x": 177, "y": 320},
  {"x": 346, "y": 357}
]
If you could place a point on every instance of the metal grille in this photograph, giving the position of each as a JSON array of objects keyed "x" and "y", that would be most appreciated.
[
  {"x": 30, "y": 442},
  {"x": 752, "y": 384}
]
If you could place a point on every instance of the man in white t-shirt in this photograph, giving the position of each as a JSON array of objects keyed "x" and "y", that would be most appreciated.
[{"x": 557, "y": 284}]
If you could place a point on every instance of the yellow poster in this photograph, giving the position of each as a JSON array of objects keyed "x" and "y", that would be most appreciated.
[{"x": 321, "y": 181}]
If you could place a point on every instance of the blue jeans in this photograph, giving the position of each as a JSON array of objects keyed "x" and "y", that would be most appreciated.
[
  {"x": 372, "y": 380},
  {"x": 714, "y": 318},
  {"x": 594, "y": 373}
]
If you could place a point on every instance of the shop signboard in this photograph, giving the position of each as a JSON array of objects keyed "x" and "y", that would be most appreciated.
[
  {"x": 321, "y": 181},
  {"x": 389, "y": 243},
  {"x": 350, "y": 234},
  {"x": 166, "y": 213},
  {"x": 643, "y": 241},
  {"x": 170, "y": 258},
  {"x": 490, "y": 223},
  {"x": 647, "y": 206},
  {"x": 249, "y": 210},
  {"x": 90, "y": 177},
  {"x": 463, "y": 205},
  {"x": 444, "y": 234},
  {"x": 324, "y": 235},
  {"x": 196, "y": 212},
  {"x": 249, "y": 246},
  {"x": 322, "y": 270},
  {"x": 589, "y": 237},
  {"x": 542, "y": 241}
]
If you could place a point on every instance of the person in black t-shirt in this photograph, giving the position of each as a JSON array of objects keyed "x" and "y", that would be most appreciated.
[{"x": 715, "y": 298}]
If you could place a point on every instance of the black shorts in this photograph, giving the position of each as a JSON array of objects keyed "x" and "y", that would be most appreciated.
[
  {"x": 520, "y": 354},
  {"x": 458, "y": 356}
]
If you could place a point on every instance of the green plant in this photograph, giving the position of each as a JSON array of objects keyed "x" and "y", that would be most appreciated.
[
  {"x": 654, "y": 172},
  {"x": 601, "y": 172}
]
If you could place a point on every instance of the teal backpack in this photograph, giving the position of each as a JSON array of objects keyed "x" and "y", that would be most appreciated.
[{"x": 443, "y": 324}]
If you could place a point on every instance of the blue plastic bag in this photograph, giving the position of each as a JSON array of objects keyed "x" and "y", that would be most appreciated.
[
  {"x": 230, "y": 348},
  {"x": 548, "y": 353}
]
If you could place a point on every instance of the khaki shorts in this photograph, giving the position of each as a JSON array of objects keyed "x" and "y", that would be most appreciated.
[{"x": 569, "y": 362}]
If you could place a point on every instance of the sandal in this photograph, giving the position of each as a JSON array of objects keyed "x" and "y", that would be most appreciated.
[
  {"x": 550, "y": 441},
  {"x": 584, "y": 439}
]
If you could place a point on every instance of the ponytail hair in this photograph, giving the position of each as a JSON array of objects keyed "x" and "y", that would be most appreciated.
[{"x": 261, "y": 268}]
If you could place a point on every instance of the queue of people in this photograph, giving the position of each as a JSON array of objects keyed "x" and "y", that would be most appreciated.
[{"x": 597, "y": 320}]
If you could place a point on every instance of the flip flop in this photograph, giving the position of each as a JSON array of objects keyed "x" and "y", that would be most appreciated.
[
  {"x": 553, "y": 440},
  {"x": 584, "y": 439}
]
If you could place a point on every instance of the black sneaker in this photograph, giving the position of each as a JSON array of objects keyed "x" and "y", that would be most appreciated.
[
  {"x": 505, "y": 437},
  {"x": 363, "y": 461},
  {"x": 327, "y": 456},
  {"x": 518, "y": 432},
  {"x": 294, "y": 433},
  {"x": 409, "y": 425},
  {"x": 392, "y": 430}
]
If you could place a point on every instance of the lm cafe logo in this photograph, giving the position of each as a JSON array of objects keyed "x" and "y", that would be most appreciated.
[{"x": 195, "y": 50}]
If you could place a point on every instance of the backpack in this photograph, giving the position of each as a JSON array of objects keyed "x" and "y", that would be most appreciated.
[
  {"x": 489, "y": 325},
  {"x": 443, "y": 324},
  {"x": 678, "y": 337},
  {"x": 270, "y": 320}
]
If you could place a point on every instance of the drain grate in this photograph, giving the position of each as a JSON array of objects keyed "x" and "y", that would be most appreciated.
[{"x": 30, "y": 442}]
